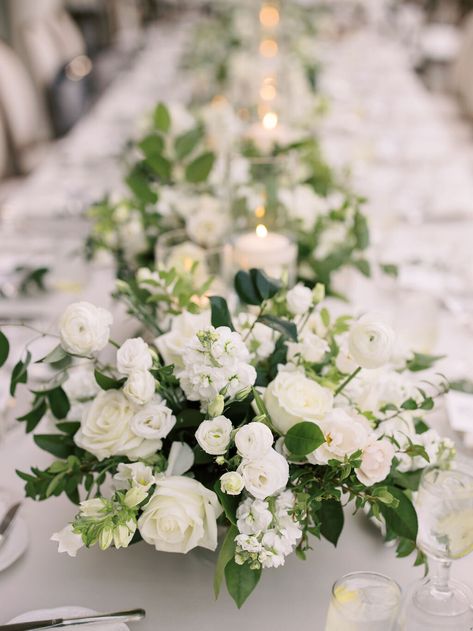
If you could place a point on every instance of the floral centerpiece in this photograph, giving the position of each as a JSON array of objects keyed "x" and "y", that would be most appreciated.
[{"x": 266, "y": 421}]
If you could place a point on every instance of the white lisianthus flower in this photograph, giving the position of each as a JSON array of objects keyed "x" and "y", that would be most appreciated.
[
  {"x": 375, "y": 462},
  {"x": 232, "y": 483},
  {"x": 310, "y": 348},
  {"x": 84, "y": 328},
  {"x": 140, "y": 386},
  {"x": 81, "y": 384},
  {"x": 106, "y": 429},
  {"x": 68, "y": 541},
  {"x": 137, "y": 474},
  {"x": 171, "y": 345},
  {"x": 292, "y": 397},
  {"x": 254, "y": 440},
  {"x": 265, "y": 476},
  {"x": 214, "y": 435},
  {"x": 345, "y": 432},
  {"x": 134, "y": 354},
  {"x": 299, "y": 299},
  {"x": 371, "y": 342},
  {"x": 181, "y": 515},
  {"x": 154, "y": 420},
  {"x": 207, "y": 224}
]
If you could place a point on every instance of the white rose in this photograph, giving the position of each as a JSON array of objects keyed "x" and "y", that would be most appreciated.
[
  {"x": 68, "y": 541},
  {"x": 371, "y": 342},
  {"x": 84, "y": 328},
  {"x": 171, "y": 345},
  {"x": 181, "y": 515},
  {"x": 214, "y": 435},
  {"x": 292, "y": 397},
  {"x": 105, "y": 429},
  {"x": 344, "y": 433},
  {"x": 154, "y": 420},
  {"x": 140, "y": 387},
  {"x": 265, "y": 476},
  {"x": 134, "y": 354},
  {"x": 375, "y": 462},
  {"x": 137, "y": 474},
  {"x": 232, "y": 483},
  {"x": 253, "y": 440},
  {"x": 299, "y": 299},
  {"x": 207, "y": 224}
]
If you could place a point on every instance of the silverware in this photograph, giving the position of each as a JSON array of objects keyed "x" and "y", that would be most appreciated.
[
  {"x": 7, "y": 522},
  {"x": 121, "y": 616}
]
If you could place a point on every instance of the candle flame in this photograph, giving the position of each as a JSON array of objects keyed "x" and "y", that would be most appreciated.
[
  {"x": 270, "y": 120},
  {"x": 260, "y": 211},
  {"x": 269, "y": 16},
  {"x": 261, "y": 231},
  {"x": 268, "y": 48},
  {"x": 267, "y": 91}
]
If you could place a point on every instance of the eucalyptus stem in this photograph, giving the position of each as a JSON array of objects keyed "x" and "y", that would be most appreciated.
[{"x": 347, "y": 381}]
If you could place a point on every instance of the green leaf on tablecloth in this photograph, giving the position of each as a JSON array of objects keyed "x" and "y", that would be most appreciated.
[
  {"x": 19, "y": 373},
  {"x": 58, "y": 402},
  {"x": 246, "y": 290},
  {"x": 241, "y": 581},
  {"x": 229, "y": 503},
  {"x": 401, "y": 520},
  {"x": 226, "y": 554},
  {"x": 185, "y": 143},
  {"x": 33, "y": 417},
  {"x": 108, "y": 383},
  {"x": 4, "y": 348},
  {"x": 60, "y": 445},
  {"x": 266, "y": 287},
  {"x": 198, "y": 170},
  {"x": 162, "y": 118},
  {"x": 303, "y": 438},
  {"x": 332, "y": 520},
  {"x": 220, "y": 312},
  {"x": 56, "y": 355},
  {"x": 421, "y": 361},
  {"x": 289, "y": 329}
]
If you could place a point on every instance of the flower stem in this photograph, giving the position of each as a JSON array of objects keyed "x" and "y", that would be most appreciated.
[{"x": 347, "y": 381}]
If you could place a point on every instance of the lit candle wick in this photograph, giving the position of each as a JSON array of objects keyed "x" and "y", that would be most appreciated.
[{"x": 270, "y": 120}]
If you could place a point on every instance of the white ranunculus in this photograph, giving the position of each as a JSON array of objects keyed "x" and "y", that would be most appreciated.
[
  {"x": 345, "y": 432},
  {"x": 154, "y": 420},
  {"x": 299, "y": 299},
  {"x": 171, "y": 345},
  {"x": 292, "y": 397},
  {"x": 207, "y": 224},
  {"x": 140, "y": 387},
  {"x": 106, "y": 429},
  {"x": 81, "y": 384},
  {"x": 214, "y": 435},
  {"x": 84, "y": 328},
  {"x": 371, "y": 342},
  {"x": 136, "y": 474},
  {"x": 232, "y": 483},
  {"x": 265, "y": 476},
  {"x": 253, "y": 440},
  {"x": 181, "y": 515},
  {"x": 375, "y": 462},
  {"x": 68, "y": 541},
  {"x": 134, "y": 354}
]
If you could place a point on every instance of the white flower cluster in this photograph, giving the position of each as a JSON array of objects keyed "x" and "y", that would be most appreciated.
[
  {"x": 259, "y": 338},
  {"x": 268, "y": 531},
  {"x": 215, "y": 362}
]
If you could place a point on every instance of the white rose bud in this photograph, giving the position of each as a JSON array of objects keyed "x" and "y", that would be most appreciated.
[
  {"x": 371, "y": 342},
  {"x": 216, "y": 406},
  {"x": 134, "y": 354},
  {"x": 254, "y": 440},
  {"x": 299, "y": 299},
  {"x": 84, "y": 328},
  {"x": 265, "y": 476},
  {"x": 318, "y": 293},
  {"x": 214, "y": 435},
  {"x": 375, "y": 462},
  {"x": 135, "y": 496},
  {"x": 232, "y": 483},
  {"x": 139, "y": 387}
]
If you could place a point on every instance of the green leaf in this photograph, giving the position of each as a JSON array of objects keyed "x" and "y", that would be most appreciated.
[
  {"x": 403, "y": 519},
  {"x": 220, "y": 312},
  {"x": 162, "y": 118},
  {"x": 407, "y": 480},
  {"x": 363, "y": 266},
  {"x": 405, "y": 547},
  {"x": 56, "y": 355},
  {"x": 198, "y": 170},
  {"x": 241, "y": 581},
  {"x": 59, "y": 403},
  {"x": 246, "y": 290},
  {"x": 139, "y": 185},
  {"x": 421, "y": 361},
  {"x": 185, "y": 143},
  {"x": 59, "y": 445},
  {"x": 289, "y": 329},
  {"x": 68, "y": 427},
  {"x": 34, "y": 416},
  {"x": 229, "y": 503},
  {"x": 331, "y": 517},
  {"x": 152, "y": 145},
  {"x": 303, "y": 438},
  {"x": 362, "y": 234},
  {"x": 4, "y": 348},
  {"x": 108, "y": 383},
  {"x": 19, "y": 373},
  {"x": 226, "y": 554},
  {"x": 189, "y": 417},
  {"x": 390, "y": 269},
  {"x": 55, "y": 485},
  {"x": 161, "y": 166},
  {"x": 265, "y": 286}
]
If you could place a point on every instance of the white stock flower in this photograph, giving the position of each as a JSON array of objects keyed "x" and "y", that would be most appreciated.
[
  {"x": 214, "y": 435},
  {"x": 84, "y": 328},
  {"x": 136, "y": 474},
  {"x": 253, "y": 440},
  {"x": 140, "y": 386},
  {"x": 375, "y": 462},
  {"x": 134, "y": 354},
  {"x": 299, "y": 299},
  {"x": 181, "y": 515},
  {"x": 345, "y": 432},
  {"x": 106, "y": 429},
  {"x": 232, "y": 483},
  {"x": 207, "y": 223},
  {"x": 310, "y": 347},
  {"x": 253, "y": 516},
  {"x": 292, "y": 397},
  {"x": 171, "y": 345},
  {"x": 371, "y": 342},
  {"x": 153, "y": 421},
  {"x": 68, "y": 541},
  {"x": 265, "y": 476}
]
